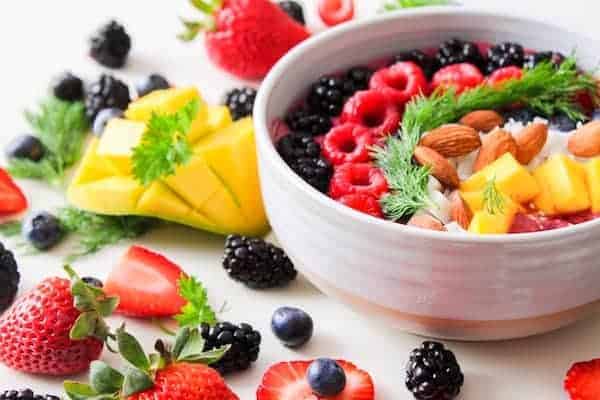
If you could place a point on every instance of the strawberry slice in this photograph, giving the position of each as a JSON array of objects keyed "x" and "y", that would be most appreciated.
[
  {"x": 583, "y": 381},
  {"x": 12, "y": 199},
  {"x": 146, "y": 283},
  {"x": 287, "y": 381}
]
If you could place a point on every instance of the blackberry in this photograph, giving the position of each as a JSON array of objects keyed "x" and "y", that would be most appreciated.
[
  {"x": 240, "y": 102},
  {"x": 107, "y": 92},
  {"x": 524, "y": 115},
  {"x": 504, "y": 55},
  {"x": 531, "y": 60},
  {"x": 432, "y": 373},
  {"x": 9, "y": 278},
  {"x": 68, "y": 87},
  {"x": 110, "y": 45},
  {"x": 427, "y": 63},
  {"x": 303, "y": 154},
  {"x": 357, "y": 78},
  {"x": 256, "y": 263},
  {"x": 303, "y": 120},
  {"x": 25, "y": 394},
  {"x": 294, "y": 10},
  {"x": 327, "y": 95},
  {"x": 456, "y": 51},
  {"x": 244, "y": 341}
]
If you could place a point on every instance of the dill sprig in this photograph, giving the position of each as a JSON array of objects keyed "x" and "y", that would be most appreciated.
[
  {"x": 493, "y": 200},
  {"x": 393, "y": 5},
  {"x": 545, "y": 88}
]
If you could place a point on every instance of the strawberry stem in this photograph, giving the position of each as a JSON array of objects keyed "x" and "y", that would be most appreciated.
[{"x": 207, "y": 6}]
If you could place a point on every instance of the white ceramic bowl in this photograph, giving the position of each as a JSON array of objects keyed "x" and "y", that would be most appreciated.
[{"x": 431, "y": 283}]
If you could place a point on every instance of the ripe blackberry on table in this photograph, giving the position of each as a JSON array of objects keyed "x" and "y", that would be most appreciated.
[
  {"x": 240, "y": 102},
  {"x": 106, "y": 92},
  {"x": 456, "y": 51},
  {"x": 327, "y": 95},
  {"x": 504, "y": 55},
  {"x": 9, "y": 278},
  {"x": 244, "y": 341},
  {"x": 531, "y": 60},
  {"x": 432, "y": 373},
  {"x": 110, "y": 46},
  {"x": 304, "y": 120},
  {"x": 25, "y": 394},
  {"x": 427, "y": 63},
  {"x": 68, "y": 87},
  {"x": 294, "y": 10},
  {"x": 256, "y": 263}
]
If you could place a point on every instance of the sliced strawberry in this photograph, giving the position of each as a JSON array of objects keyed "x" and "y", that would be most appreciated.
[
  {"x": 583, "y": 381},
  {"x": 287, "y": 381},
  {"x": 334, "y": 12},
  {"x": 12, "y": 199},
  {"x": 146, "y": 283}
]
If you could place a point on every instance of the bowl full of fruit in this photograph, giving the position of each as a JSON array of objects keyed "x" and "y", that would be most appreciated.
[{"x": 439, "y": 169}]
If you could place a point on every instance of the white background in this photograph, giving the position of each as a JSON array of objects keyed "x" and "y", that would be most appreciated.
[{"x": 39, "y": 39}]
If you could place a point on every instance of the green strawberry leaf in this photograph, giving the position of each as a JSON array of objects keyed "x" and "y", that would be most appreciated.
[
  {"x": 78, "y": 391},
  {"x": 108, "y": 306},
  {"x": 157, "y": 362},
  {"x": 84, "y": 326},
  {"x": 181, "y": 338},
  {"x": 207, "y": 357},
  {"x": 192, "y": 348},
  {"x": 132, "y": 350},
  {"x": 105, "y": 379},
  {"x": 135, "y": 381}
]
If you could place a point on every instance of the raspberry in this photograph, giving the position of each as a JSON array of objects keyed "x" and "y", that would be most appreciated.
[
  {"x": 364, "y": 203},
  {"x": 373, "y": 110},
  {"x": 459, "y": 76},
  {"x": 400, "y": 82},
  {"x": 348, "y": 143},
  {"x": 357, "y": 179},
  {"x": 502, "y": 75}
]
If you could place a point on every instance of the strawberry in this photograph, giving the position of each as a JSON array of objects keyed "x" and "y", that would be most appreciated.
[
  {"x": 12, "y": 199},
  {"x": 287, "y": 381},
  {"x": 57, "y": 328},
  {"x": 146, "y": 283},
  {"x": 246, "y": 37},
  {"x": 583, "y": 381},
  {"x": 334, "y": 12}
]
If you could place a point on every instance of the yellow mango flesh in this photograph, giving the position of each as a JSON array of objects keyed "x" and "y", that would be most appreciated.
[
  {"x": 117, "y": 142},
  {"x": 593, "y": 182},
  {"x": 116, "y": 195},
  {"x": 544, "y": 200},
  {"x": 483, "y": 221},
  {"x": 94, "y": 167}
]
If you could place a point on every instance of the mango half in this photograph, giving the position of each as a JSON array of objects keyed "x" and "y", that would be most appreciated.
[{"x": 218, "y": 190}]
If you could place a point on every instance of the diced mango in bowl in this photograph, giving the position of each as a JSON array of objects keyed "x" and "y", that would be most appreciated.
[{"x": 593, "y": 182}]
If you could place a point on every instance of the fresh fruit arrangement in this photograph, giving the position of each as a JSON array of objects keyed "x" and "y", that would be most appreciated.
[{"x": 468, "y": 137}]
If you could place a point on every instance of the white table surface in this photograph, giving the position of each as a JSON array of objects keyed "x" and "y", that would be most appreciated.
[{"x": 41, "y": 38}]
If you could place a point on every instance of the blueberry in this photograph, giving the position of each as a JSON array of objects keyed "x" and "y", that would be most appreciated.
[
  {"x": 596, "y": 115},
  {"x": 292, "y": 326},
  {"x": 563, "y": 123},
  {"x": 151, "y": 83},
  {"x": 103, "y": 117},
  {"x": 25, "y": 146},
  {"x": 93, "y": 281},
  {"x": 326, "y": 378},
  {"x": 524, "y": 115},
  {"x": 42, "y": 230}
]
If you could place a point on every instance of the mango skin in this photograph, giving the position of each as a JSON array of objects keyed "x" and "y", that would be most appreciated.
[{"x": 592, "y": 169}]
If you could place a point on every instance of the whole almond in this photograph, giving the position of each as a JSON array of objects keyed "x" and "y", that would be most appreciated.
[
  {"x": 459, "y": 211},
  {"x": 426, "y": 222},
  {"x": 452, "y": 140},
  {"x": 439, "y": 166},
  {"x": 494, "y": 145},
  {"x": 530, "y": 142},
  {"x": 483, "y": 120},
  {"x": 585, "y": 141}
]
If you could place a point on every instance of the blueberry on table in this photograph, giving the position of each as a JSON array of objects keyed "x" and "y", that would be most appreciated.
[
  {"x": 25, "y": 146},
  {"x": 103, "y": 117},
  {"x": 326, "y": 378},
  {"x": 151, "y": 83},
  {"x": 42, "y": 230},
  {"x": 292, "y": 326},
  {"x": 68, "y": 87}
]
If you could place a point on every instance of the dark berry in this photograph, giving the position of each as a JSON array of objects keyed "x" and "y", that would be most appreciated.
[
  {"x": 68, "y": 87},
  {"x": 531, "y": 60},
  {"x": 294, "y": 10},
  {"x": 303, "y": 120},
  {"x": 103, "y": 117},
  {"x": 256, "y": 263},
  {"x": 292, "y": 326},
  {"x": 151, "y": 83},
  {"x": 524, "y": 115},
  {"x": 456, "y": 51},
  {"x": 357, "y": 78},
  {"x": 107, "y": 92},
  {"x": 326, "y": 378},
  {"x": 25, "y": 146},
  {"x": 563, "y": 122},
  {"x": 596, "y": 115},
  {"x": 328, "y": 94},
  {"x": 432, "y": 373},
  {"x": 504, "y": 55},
  {"x": 9, "y": 278},
  {"x": 43, "y": 230},
  {"x": 110, "y": 45},
  {"x": 427, "y": 63},
  {"x": 25, "y": 394},
  {"x": 240, "y": 102},
  {"x": 244, "y": 342},
  {"x": 90, "y": 280}
]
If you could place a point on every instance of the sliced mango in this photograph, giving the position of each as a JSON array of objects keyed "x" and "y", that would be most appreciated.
[
  {"x": 117, "y": 142},
  {"x": 544, "y": 200},
  {"x": 94, "y": 167},
  {"x": 160, "y": 201},
  {"x": 219, "y": 117},
  {"x": 593, "y": 182},
  {"x": 485, "y": 222},
  {"x": 116, "y": 195},
  {"x": 194, "y": 182}
]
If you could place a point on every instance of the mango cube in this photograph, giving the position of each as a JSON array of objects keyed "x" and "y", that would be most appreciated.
[
  {"x": 118, "y": 140},
  {"x": 593, "y": 182},
  {"x": 484, "y": 223}
]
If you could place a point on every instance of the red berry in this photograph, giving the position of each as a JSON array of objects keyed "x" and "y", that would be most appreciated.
[
  {"x": 334, "y": 12},
  {"x": 502, "y": 75},
  {"x": 459, "y": 76},
  {"x": 400, "y": 82},
  {"x": 12, "y": 199},
  {"x": 348, "y": 143},
  {"x": 581, "y": 217},
  {"x": 364, "y": 203},
  {"x": 357, "y": 178},
  {"x": 373, "y": 110},
  {"x": 586, "y": 101},
  {"x": 583, "y": 381}
]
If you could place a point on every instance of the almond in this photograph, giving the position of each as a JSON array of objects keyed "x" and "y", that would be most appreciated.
[
  {"x": 426, "y": 222},
  {"x": 483, "y": 120},
  {"x": 441, "y": 168},
  {"x": 493, "y": 147},
  {"x": 459, "y": 211},
  {"x": 585, "y": 141},
  {"x": 452, "y": 140},
  {"x": 530, "y": 142}
]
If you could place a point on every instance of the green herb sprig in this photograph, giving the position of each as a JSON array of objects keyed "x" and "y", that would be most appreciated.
[
  {"x": 393, "y": 5},
  {"x": 197, "y": 310},
  {"x": 493, "y": 200}
]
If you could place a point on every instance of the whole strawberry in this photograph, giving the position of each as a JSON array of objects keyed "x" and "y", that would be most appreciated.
[
  {"x": 57, "y": 328},
  {"x": 246, "y": 37}
]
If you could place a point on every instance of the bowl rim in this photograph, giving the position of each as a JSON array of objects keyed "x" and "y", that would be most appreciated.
[{"x": 262, "y": 129}]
